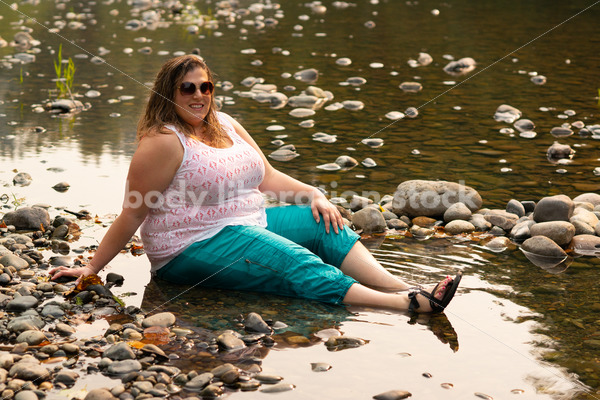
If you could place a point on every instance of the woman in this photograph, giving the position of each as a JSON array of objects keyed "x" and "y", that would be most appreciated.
[{"x": 195, "y": 186}]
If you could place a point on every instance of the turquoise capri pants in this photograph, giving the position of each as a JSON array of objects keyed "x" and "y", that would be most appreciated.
[{"x": 293, "y": 256}]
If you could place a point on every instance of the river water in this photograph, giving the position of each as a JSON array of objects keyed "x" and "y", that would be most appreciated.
[{"x": 512, "y": 327}]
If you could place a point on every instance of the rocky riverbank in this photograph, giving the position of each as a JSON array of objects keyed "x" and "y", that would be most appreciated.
[{"x": 41, "y": 353}]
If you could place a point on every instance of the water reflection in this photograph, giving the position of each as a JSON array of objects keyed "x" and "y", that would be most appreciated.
[{"x": 554, "y": 265}]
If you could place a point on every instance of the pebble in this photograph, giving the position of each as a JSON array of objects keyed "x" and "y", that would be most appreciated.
[{"x": 393, "y": 395}]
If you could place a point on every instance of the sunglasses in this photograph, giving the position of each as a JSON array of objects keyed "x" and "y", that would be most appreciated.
[{"x": 189, "y": 88}]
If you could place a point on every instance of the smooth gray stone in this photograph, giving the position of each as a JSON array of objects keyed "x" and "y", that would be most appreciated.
[
  {"x": 199, "y": 382},
  {"x": 124, "y": 367},
  {"x": 458, "y": 226},
  {"x": 541, "y": 245},
  {"x": 24, "y": 323},
  {"x": 369, "y": 220},
  {"x": 120, "y": 351},
  {"x": 22, "y": 303},
  {"x": 554, "y": 208}
]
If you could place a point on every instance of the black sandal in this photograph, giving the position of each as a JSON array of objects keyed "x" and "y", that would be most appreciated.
[{"x": 436, "y": 305}]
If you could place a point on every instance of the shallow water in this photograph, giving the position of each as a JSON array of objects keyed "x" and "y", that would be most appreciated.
[{"x": 505, "y": 301}]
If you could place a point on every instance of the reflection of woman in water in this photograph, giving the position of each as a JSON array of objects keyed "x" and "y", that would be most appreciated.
[{"x": 196, "y": 185}]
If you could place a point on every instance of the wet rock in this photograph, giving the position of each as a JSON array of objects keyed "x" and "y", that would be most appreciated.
[
  {"x": 222, "y": 369},
  {"x": 149, "y": 348},
  {"x": 320, "y": 367},
  {"x": 302, "y": 112},
  {"x": 26, "y": 395},
  {"x": 12, "y": 260},
  {"x": 278, "y": 388},
  {"x": 61, "y": 187},
  {"x": 458, "y": 226},
  {"x": 502, "y": 219},
  {"x": 480, "y": 223},
  {"x": 369, "y": 220},
  {"x": 524, "y": 125},
  {"x": 28, "y": 218},
  {"x": 411, "y": 87},
  {"x": 52, "y": 310},
  {"x": 308, "y": 75},
  {"x": 22, "y": 179},
  {"x": 554, "y": 208},
  {"x": 368, "y": 162},
  {"x": 305, "y": 101},
  {"x": 432, "y": 198},
  {"x": 521, "y": 231},
  {"x": 515, "y": 207},
  {"x": 199, "y": 382},
  {"x": 344, "y": 342},
  {"x": 24, "y": 323},
  {"x": 541, "y": 245},
  {"x": 124, "y": 367},
  {"x": 114, "y": 279},
  {"x": 99, "y": 394},
  {"x": 560, "y": 132},
  {"x": 255, "y": 323},
  {"x": 559, "y": 151},
  {"x": 457, "y": 211},
  {"x": 353, "y": 105},
  {"x": 211, "y": 392},
  {"x": 459, "y": 67},
  {"x": 397, "y": 224},
  {"x": 498, "y": 244},
  {"x": 32, "y": 338},
  {"x": 65, "y": 106},
  {"x": 22, "y": 303},
  {"x": 584, "y": 216},
  {"x": 394, "y": 115},
  {"x": 411, "y": 112},
  {"x": 29, "y": 369},
  {"x": 344, "y": 61},
  {"x": 393, "y": 395},
  {"x": 277, "y": 100},
  {"x": 164, "y": 319},
  {"x": 538, "y": 79},
  {"x": 587, "y": 245},
  {"x": 228, "y": 341},
  {"x": 120, "y": 351},
  {"x": 506, "y": 113},
  {"x": 66, "y": 377},
  {"x": 372, "y": 142},
  {"x": 346, "y": 162},
  {"x": 283, "y": 155},
  {"x": 581, "y": 228}
]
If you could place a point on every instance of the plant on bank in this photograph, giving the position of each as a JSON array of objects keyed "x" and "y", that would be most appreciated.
[{"x": 64, "y": 76}]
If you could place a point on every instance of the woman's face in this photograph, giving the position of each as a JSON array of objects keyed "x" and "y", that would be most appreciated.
[{"x": 192, "y": 108}]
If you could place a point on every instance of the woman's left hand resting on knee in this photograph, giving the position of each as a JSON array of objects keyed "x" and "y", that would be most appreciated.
[{"x": 287, "y": 189}]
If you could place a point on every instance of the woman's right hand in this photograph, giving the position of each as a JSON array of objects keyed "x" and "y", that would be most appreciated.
[{"x": 80, "y": 272}]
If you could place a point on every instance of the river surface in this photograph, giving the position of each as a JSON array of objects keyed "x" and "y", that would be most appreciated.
[{"x": 513, "y": 330}]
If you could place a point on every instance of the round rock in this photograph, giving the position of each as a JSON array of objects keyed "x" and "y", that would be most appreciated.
[
  {"x": 369, "y": 220},
  {"x": 458, "y": 226},
  {"x": 164, "y": 319},
  {"x": 457, "y": 211},
  {"x": 554, "y": 208}
]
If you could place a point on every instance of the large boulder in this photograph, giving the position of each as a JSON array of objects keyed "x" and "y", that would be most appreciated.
[
  {"x": 554, "y": 208},
  {"x": 28, "y": 218},
  {"x": 432, "y": 198}
]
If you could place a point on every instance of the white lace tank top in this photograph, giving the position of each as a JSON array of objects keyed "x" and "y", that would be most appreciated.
[{"x": 211, "y": 189}]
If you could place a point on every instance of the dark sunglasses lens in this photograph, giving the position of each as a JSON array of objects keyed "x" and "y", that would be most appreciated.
[
  {"x": 187, "y": 88},
  {"x": 207, "y": 87}
]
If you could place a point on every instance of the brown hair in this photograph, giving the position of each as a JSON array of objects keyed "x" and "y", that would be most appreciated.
[{"x": 160, "y": 109}]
